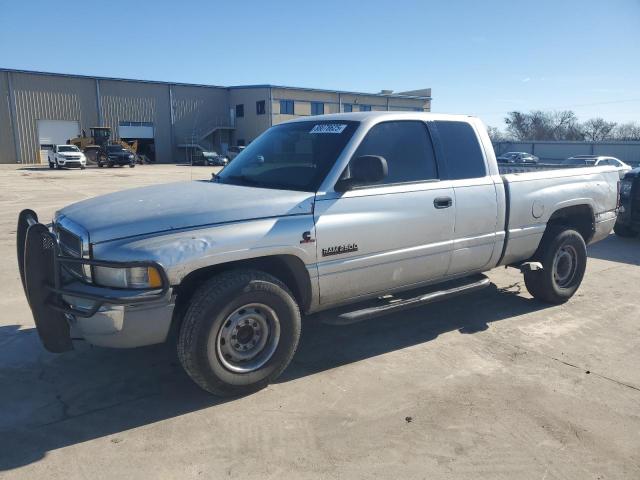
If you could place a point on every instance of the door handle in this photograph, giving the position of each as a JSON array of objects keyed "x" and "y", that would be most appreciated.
[{"x": 442, "y": 202}]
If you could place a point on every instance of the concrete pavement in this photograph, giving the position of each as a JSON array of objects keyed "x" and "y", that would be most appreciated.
[{"x": 489, "y": 385}]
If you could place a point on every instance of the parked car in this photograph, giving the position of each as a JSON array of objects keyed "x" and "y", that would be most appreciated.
[
  {"x": 628, "y": 222},
  {"x": 599, "y": 161},
  {"x": 233, "y": 152},
  {"x": 117, "y": 155},
  {"x": 353, "y": 215},
  {"x": 211, "y": 159},
  {"x": 517, "y": 157},
  {"x": 68, "y": 156}
]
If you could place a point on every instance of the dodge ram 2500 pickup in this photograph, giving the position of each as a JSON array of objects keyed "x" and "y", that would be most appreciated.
[{"x": 335, "y": 213}]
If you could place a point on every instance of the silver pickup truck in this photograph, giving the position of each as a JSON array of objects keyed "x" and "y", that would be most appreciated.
[{"x": 355, "y": 215}]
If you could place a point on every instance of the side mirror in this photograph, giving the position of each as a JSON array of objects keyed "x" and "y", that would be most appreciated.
[{"x": 364, "y": 170}]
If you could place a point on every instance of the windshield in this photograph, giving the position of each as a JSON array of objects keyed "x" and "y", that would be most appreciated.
[
  {"x": 290, "y": 156},
  {"x": 68, "y": 148}
]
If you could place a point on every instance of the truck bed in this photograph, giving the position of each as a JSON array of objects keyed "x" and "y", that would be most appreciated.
[{"x": 532, "y": 198}]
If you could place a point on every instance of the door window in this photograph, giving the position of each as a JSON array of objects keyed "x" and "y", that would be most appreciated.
[{"x": 407, "y": 148}]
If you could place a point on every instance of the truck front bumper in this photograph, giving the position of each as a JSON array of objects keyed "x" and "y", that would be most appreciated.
[{"x": 64, "y": 307}]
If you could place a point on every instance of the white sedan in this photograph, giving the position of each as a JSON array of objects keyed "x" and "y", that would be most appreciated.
[{"x": 599, "y": 161}]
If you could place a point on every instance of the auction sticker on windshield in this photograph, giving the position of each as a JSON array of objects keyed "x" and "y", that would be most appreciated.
[{"x": 328, "y": 128}]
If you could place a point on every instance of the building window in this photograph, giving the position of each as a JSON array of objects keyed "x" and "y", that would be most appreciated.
[
  {"x": 260, "y": 107},
  {"x": 365, "y": 108},
  {"x": 347, "y": 107},
  {"x": 240, "y": 142},
  {"x": 317, "y": 108},
  {"x": 240, "y": 111},
  {"x": 286, "y": 107}
]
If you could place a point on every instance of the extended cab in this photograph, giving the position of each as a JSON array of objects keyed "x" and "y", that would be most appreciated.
[
  {"x": 66, "y": 156},
  {"x": 352, "y": 214}
]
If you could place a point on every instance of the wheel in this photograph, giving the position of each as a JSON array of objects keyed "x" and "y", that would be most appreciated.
[
  {"x": 624, "y": 230},
  {"x": 82, "y": 167},
  {"x": 239, "y": 332},
  {"x": 563, "y": 255},
  {"x": 131, "y": 165},
  {"x": 58, "y": 166},
  {"x": 51, "y": 165},
  {"x": 110, "y": 165},
  {"x": 99, "y": 164}
]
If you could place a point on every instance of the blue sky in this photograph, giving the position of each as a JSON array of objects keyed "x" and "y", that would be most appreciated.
[{"x": 480, "y": 57}]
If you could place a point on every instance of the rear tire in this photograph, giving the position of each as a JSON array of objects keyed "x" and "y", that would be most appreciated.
[
  {"x": 239, "y": 333},
  {"x": 624, "y": 231},
  {"x": 563, "y": 255}
]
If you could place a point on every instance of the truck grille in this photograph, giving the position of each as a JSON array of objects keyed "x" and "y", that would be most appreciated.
[{"x": 70, "y": 245}]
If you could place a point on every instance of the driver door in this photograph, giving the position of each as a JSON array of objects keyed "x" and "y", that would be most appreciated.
[{"x": 377, "y": 238}]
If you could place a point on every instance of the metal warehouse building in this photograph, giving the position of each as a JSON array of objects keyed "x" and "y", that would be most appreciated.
[{"x": 38, "y": 110}]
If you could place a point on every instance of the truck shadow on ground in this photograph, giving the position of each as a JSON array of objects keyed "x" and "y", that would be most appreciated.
[
  {"x": 51, "y": 401},
  {"x": 617, "y": 249}
]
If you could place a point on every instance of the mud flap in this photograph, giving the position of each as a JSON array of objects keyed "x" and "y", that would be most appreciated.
[{"x": 39, "y": 275}]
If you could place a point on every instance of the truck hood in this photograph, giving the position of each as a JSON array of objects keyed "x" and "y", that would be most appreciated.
[{"x": 173, "y": 206}]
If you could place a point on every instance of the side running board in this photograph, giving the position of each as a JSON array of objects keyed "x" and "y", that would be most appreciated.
[{"x": 404, "y": 300}]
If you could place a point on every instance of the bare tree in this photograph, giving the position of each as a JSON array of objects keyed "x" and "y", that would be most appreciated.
[
  {"x": 541, "y": 125},
  {"x": 627, "y": 131},
  {"x": 518, "y": 125},
  {"x": 496, "y": 135},
  {"x": 597, "y": 129}
]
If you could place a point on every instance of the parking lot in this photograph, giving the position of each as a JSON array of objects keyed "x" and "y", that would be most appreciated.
[{"x": 490, "y": 385}]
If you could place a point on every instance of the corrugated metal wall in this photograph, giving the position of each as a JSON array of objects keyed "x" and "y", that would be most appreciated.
[
  {"x": 628, "y": 152},
  {"x": 123, "y": 101},
  {"x": 7, "y": 145},
  {"x": 49, "y": 97},
  {"x": 197, "y": 110}
]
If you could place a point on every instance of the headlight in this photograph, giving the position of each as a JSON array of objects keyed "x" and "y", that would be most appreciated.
[
  {"x": 130, "y": 157},
  {"x": 135, "y": 277},
  {"x": 625, "y": 188}
]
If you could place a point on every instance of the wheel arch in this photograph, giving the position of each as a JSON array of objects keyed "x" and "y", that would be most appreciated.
[
  {"x": 580, "y": 217},
  {"x": 287, "y": 268}
]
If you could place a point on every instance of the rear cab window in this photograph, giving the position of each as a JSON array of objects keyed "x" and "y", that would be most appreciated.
[{"x": 461, "y": 150}]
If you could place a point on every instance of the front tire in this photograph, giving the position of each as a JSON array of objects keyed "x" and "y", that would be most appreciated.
[
  {"x": 239, "y": 332},
  {"x": 51, "y": 165},
  {"x": 624, "y": 231},
  {"x": 563, "y": 255}
]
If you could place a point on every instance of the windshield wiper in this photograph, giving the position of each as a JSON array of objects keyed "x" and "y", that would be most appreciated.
[
  {"x": 252, "y": 182},
  {"x": 242, "y": 178}
]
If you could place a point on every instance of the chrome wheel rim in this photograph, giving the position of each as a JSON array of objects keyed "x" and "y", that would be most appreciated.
[
  {"x": 248, "y": 338},
  {"x": 565, "y": 265}
]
